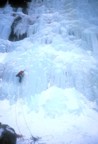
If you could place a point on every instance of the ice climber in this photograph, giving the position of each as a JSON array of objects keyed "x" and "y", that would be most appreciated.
[{"x": 20, "y": 74}]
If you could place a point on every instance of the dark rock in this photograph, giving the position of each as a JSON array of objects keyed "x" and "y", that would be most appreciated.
[
  {"x": 7, "y": 134},
  {"x": 14, "y": 36},
  {"x": 3, "y": 3},
  {"x": 18, "y": 3}
]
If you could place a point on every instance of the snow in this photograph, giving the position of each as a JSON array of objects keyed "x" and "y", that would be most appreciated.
[
  {"x": 77, "y": 122},
  {"x": 2, "y": 57},
  {"x": 57, "y": 99}
]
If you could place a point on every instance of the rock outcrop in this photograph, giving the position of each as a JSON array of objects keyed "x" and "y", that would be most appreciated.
[{"x": 7, "y": 134}]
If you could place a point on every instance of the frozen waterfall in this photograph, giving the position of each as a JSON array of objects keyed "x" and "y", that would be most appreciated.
[
  {"x": 60, "y": 49},
  {"x": 58, "y": 54}
]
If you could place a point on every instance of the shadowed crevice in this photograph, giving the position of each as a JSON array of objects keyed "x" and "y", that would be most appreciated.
[{"x": 13, "y": 35}]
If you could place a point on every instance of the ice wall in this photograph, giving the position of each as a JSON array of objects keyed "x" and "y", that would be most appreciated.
[{"x": 60, "y": 49}]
